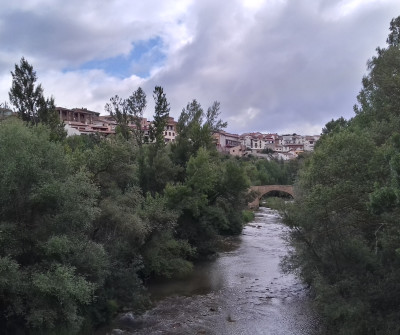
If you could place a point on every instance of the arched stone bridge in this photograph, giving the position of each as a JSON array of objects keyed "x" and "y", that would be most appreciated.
[{"x": 262, "y": 190}]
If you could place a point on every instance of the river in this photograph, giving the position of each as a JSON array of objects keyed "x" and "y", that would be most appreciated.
[{"x": 243, "y": 291}]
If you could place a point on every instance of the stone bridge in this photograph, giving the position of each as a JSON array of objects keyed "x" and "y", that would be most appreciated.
[{"x": 260, "y": 191}]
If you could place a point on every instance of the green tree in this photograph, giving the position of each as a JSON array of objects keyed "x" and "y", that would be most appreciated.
[
  {"x": 334, "y": 125},
  {"x": 119, "y": 110},
  {"x": 128, "y": 111},
  {"x": 46, "y": 220},
  {"x": 29, "y": 101},
  {"x": 345, "y": 216},
  {"x": 137, "y": 104},
  {"x": 209, "y": 201},
  {"x": 212, "y": 122},
  {"x": 161, "y": 114},
  {"x": 195, "y": 133},
  {"x": 26, "y": 98}
]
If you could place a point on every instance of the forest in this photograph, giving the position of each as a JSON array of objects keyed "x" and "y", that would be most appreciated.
[
  {"x": 345, "y": 217},
  {"x": 87, "y": 221}
]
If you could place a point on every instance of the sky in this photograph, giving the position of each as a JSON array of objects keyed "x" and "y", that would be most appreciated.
[{"x": 279, "y": 66}]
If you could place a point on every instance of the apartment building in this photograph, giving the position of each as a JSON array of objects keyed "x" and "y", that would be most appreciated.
[{"x": 258, "y": 141}]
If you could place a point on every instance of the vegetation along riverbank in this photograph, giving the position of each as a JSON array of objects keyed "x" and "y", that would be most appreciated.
[
  {"x": 85, "y": 221},
  {"x": 345, "y": 217}
]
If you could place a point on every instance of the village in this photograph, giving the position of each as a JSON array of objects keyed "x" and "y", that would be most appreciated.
[
  {"x": 283, "y": 147},
  {"x": 80, "y": 121}
]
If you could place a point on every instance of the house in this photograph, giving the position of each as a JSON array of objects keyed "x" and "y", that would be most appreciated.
[
  {"x": 81, "y": 115},
  {"x": 225, "y": 141},
  {"x": 310, "y": 141},
  {"x": 83, "y": 121},
  {"x": 239, "y": 150},
  {"x": 170, "y": 130}
]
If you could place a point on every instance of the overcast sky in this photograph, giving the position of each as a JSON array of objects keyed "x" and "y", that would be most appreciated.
[{"x": 274, "y": 65}]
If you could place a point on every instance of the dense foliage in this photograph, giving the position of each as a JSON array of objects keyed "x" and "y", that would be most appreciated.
[
  {"x": 79, "y": 235},
  {"x": 85, "y": 221},
  {"x": 347, "y": 208}
]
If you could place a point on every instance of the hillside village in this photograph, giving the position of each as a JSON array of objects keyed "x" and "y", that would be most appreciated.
[{"x": 283, "y": 147}]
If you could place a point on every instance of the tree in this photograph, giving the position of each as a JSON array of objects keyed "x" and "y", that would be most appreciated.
[
  {"x": 334, "y": 126},
  {"x": 394, "y": 36},
  {"x": 345, "y": 216},
  {"x": 25, "y": 97},
  {"x": 46, "y": 220},
  {"x": 193, "y": 132},
  {"x": 136, "y": 105},
  {"x": 126, "y": 111},
  {"x": 209, "y": 200},
  {"x": 213, "y": 113},
  {"x": 29, "y": 101},
  {"x": 161, "y": 114},
  {"x": 119, "y": 110}
]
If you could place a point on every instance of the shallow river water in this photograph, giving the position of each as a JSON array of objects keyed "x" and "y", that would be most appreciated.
[{"x": 243, "y": 291}]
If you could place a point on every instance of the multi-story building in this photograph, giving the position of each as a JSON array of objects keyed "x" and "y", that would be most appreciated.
[
  {"x": 81, "y": 115},
  {"x": 310, "y": 141},
  {"x": 258, "y": 141},
  {"x": 83, "y": 121},
  {"x": 170, "y": 130},
  {"x": 251, "y": 141},
  {"x": 225, "y": 141}
]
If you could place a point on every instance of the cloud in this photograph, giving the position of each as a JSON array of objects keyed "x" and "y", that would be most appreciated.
[
  {"x": 274, "y": 65},
  {"x": 294, "y": 65}
]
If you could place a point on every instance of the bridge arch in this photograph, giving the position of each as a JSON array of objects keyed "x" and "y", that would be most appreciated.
[{"x": 260, "y": 191}]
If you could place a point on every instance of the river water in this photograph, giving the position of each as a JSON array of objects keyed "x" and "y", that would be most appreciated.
[{"x": 243, "y": 291}]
